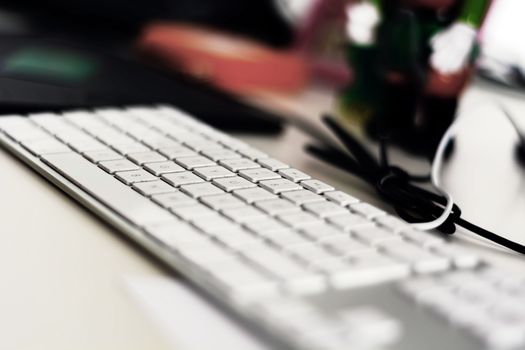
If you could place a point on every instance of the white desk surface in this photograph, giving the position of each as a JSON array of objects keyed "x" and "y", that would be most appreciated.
[{"x": 62, "y": 269}]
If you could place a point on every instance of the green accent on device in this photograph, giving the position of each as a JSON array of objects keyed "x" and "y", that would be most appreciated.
[
  {"x": 473, "y": 12},
  {"x": 54, "y": 64}
]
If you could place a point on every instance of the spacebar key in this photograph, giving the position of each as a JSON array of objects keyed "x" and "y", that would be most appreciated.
[{"x": 114, "y": 194}]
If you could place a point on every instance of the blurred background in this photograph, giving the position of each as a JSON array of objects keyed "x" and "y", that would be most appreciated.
[{"x": 217, "y": 58}]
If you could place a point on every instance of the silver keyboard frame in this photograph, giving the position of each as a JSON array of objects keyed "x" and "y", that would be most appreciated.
[{"x": 243, "y": 313}]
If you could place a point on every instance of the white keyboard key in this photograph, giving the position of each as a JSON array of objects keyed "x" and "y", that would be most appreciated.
[
  {"x": 293, "y": 175},
  {"x": 422, "y": 238},
  {"x": 235, "y": 237},
  {"x": 392, "y": 223},
  {"x": 321, "y": 231},
  {"x": 161, "y": 168},
  {"x": 40, "y": 118},
  {"x": 232, "y": 143},
  {"x": 140, "y": 132},
  {"x": 116, "y": 139},
  {"x": 285, "y": 239},
  {"x": 368, "y": 269},
  {"x": 340, "y": 198},
  {"x": 279, "y": 185},
  {"x": 242, "y": 282},
  {"x": 107, "y": 189},
  {"x": 258, "y": 174},
  {"x": 192, "y": 211},
  {"x": 316, "y": 186},
  {"x": 106, "y": 134},
  {"x": 176, "y": 234},
  {"x": 238, "y": 164},
  {"x": 299, "y": 219},
  {"x": 222, "y": 201},
  {"x": 232, "y": 183},
  {"x": 344, "y": 245},
  {"x": 332, "y": 265},
  {"x": 213, "y": 172},
  {"x": 174, "y": 199},
  {"x": 84, "y": 120},
  {"x": 309, "y": 253},
  {"x": 514, "y": 285},
  {"x": 26, "y": 133},
  {"x": 201, "y": 144},
  {"x": 265, "y": 226},
  {"x": 220, "y": 154},
  {"x": 213, "y": 224},
  {"x": 116, "y": 117},
  {"x": 146, "y": 157},
  {"x": 463, "y": 278},
  {"x": 422, "y": 261},
  {"x": 442, "y": 300},
  {"x": 158, "y": 142},
  {"x": 73, "y": 135},
  {"x": 191, "y": 163},
  {"x": 181, "y": 178},
  {"x": 295, "y": 276},
  {"x": 461, "y": 257},
  {"x": 252, "y": 153},
  {"x": 82, "y": 145},
  {"x": 112, "y": 166},
  {"x": 177, "y": 151},
  {"x": 151, "y": 188},
  {"x": 244, "y": 214},
  {"x": 133, "y": 176},
  {"x": 272, "y": 164},
  {"x": 277, "y": 206},
  {"x": 45, "y": 146},
  {"x": 367, "y": 210},
  {"x": 18, "y": 127},
  {"x": 374, "y": 235},
  {"x": 325, "y": 209},
  {"x": 478, "y": 294},
  {"x": 65, "y": 132},
  {"x": 126, "y": 149},
  {"x": 254, "y": 194},
  {"x": 349, "y": 221},
  {"x": 201, "y": 189},
  {"x": 302, "y": 197},
  {"x": 416, "y": 286},
  {"x": 15, "y": 121},
  {"x": 102, "y": 155}
]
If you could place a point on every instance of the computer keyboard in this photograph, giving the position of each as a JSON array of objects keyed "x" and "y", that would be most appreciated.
[{"x": 312, "y": 266}]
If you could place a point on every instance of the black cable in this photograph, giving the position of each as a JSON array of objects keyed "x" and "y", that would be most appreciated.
[{"x": 411, "y": 202}]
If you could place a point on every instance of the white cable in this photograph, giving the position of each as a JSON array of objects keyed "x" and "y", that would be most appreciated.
[
  {"x": 512, "y": 121},
  {"x": 436, "y": 170},
  {"x": 434, "y": 177}
]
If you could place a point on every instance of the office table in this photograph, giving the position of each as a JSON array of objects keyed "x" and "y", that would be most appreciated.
[{"x": 62, "y": 268}]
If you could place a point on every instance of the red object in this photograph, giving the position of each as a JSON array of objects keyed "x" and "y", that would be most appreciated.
[{"x": 233, "y": 63}]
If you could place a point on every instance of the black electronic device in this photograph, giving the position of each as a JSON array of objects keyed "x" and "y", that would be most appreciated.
[{"x": 39, "y": 74}]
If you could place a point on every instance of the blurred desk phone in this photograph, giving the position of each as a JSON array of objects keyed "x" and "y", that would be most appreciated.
[{"x": 39, "y": 74}]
